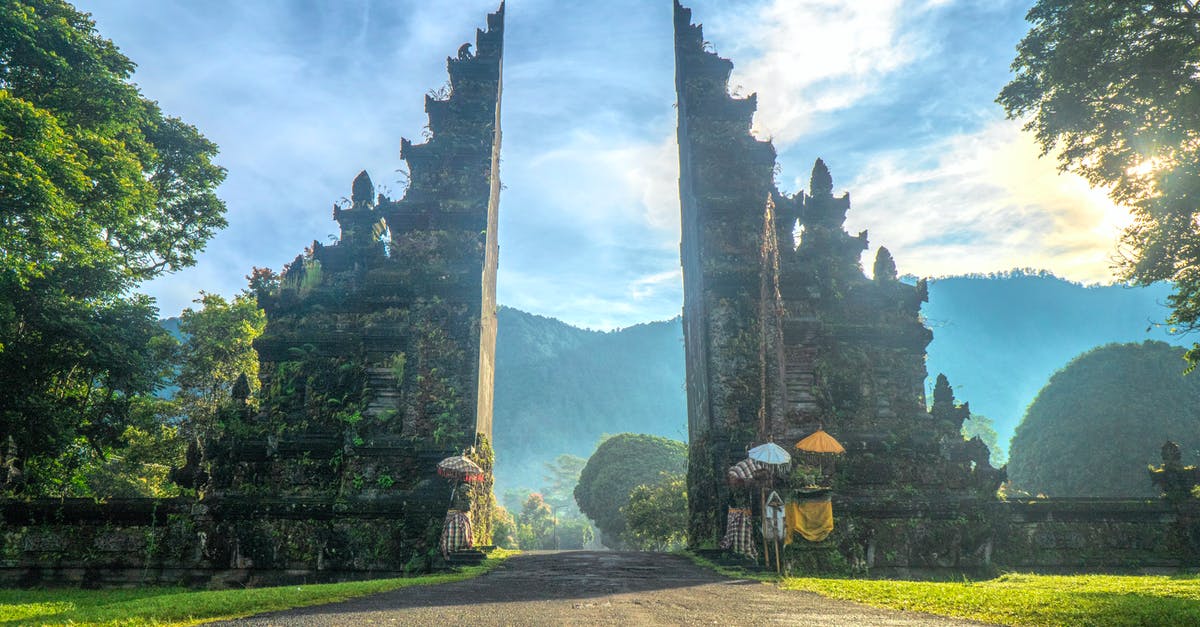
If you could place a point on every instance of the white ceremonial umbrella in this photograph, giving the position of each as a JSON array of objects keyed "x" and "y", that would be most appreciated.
[{"x": 770, "y": 453}]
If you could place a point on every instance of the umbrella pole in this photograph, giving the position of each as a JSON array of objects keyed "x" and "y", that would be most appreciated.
[
  {"x": 778, "y": 569},
  {"x": 763, "y": 516}
]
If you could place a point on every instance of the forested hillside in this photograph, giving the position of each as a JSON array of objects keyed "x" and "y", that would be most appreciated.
[
  {"x": 1000, "y": 338},
  {"x": 559, "y": 388}
]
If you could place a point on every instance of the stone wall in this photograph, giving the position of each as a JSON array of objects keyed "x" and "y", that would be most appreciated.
[{"x": 922, "y": 538}]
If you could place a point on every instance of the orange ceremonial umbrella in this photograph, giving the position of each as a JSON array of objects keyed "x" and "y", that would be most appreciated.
[{"x": 820, "y": 442}]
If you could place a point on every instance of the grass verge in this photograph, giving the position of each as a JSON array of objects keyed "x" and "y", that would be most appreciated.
[
  {"x": 1018, "y": 599},
  {"x": 180, "y": 606}
]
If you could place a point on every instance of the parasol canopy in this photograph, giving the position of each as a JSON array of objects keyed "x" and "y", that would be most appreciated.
[
  {"x": 744, "y": 472},
  {"x": 770, "y": 453},
  {"x": 820, "y": 442},
  {"x": 460, "y": 468}
]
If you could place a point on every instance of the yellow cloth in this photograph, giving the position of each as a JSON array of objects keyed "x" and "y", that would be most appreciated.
[{"x": 812, "y": 519}]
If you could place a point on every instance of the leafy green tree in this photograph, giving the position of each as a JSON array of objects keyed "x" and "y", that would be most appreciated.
[
  {"x": 1113, "y": 87},
  {"x": 656, "y": 515},
  {"x": 504, "y": 529},
  {"x": 136, "y": 466},
  {"x": 561, "y": 477},
  {"x": 983, "y": 428},
  {"x": 620, "y": 464},
  {"x": 218, "y": 349},
  {"x": 535, "y": 524},
  {"x": 573, "y": 532},
  {"x": 1102, "y": 419},
  {"x": 99, "y": 191}
]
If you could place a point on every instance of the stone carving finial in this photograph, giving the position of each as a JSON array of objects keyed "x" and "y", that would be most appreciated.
[
  {"x": 885, "y": 266},
  {"x": 464, "y": 52},
  {"x": 943, "y": 395},
  {"x": 363, "y": 190},
  {"x": 821, "y": 183},
  {"x": 1171, "y": 453}
]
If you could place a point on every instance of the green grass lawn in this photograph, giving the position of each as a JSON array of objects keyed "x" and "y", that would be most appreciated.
[
  {"x": 1018, "y": 599},
  {"x": 180, "y": 606}
]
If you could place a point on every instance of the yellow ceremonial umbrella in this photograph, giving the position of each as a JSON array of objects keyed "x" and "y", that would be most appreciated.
[{"x": 820, "y": 442}]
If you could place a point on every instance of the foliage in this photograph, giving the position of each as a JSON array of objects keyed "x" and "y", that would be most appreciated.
[
  {"x": 619, "y": 465},
  {"x": 571, "y": 385},
  {"x": 535, "y": 524},
  {"x": 99, "y": 191},
  {"x": 542, "y": 525},
  {"x": 1000, "y": 338},
  {"x": 179, "y": 606},
  {"x": 1102, "y": 419},
  {"x": 1019, "y": 599},
  {"x": 1113, "y": 88},
  {"x": 218, "y": 349},
  {"x": 573, "y": 532},
  {"x": 135, "y": 467},
  {"x": 657, "y": 514},
  {"x": 504, "y": 529},
  {"x": 561, "y": 477},
  {"x": 982, "y": 427}
]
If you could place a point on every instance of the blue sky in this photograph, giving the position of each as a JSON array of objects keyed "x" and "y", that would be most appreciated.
[{"x": 896, "y": 95}]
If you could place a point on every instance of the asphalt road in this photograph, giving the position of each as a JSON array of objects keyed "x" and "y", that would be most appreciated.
[{"x": 596, "y": 588}]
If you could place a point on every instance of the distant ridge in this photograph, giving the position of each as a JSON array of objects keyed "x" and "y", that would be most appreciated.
[
  {"x": 999, "y": 337},
  {"x": 559, "y": 388}
]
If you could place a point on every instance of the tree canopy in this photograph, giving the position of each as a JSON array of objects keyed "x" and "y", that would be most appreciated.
[
  {"x": 657, "y": 515},
  {"x": 99, "y": 191},
  {"x": 620, "y": 464},
  {"x": 1113, "y": 87},
  {"x": 217, "y": 351},
  {"x": 1102, "y": 419}
]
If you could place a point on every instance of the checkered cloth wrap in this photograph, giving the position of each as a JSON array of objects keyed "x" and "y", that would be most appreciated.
[
  {"x": 744, "y": 472},
  {"x": 456, "y": 532},
  {"x": 739, "y": 533}
]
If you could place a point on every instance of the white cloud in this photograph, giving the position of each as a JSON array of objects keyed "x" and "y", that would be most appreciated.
[
  {"x": 985, "y": 202},
  {"x": 810, "y": 57}
]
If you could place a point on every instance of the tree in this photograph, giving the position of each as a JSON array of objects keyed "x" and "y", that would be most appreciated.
[
  {"x": 99, "y": 191},
  {"x": 561, "y": 477},
  {"x": 535, "y": 524},
  {"x": 217, "y": 351},
  {"x": 983, "y": 428},
  {"x": 1102, "y": 419},
  {"x": 1114, "y": 88},
  {"x": 620, "y": 464},
  {"x": 504, "y": 529},
  {"x": 656, "y": 515}
]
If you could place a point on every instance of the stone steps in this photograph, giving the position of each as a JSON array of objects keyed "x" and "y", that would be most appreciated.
[
  {"x": 466, "y": 557},
  {"x": 386, "y": 397}
]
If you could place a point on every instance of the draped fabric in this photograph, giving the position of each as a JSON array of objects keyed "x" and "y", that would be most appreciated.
[
  {"x": 812, "y": 520},
  {"x": 456, "y": 532},
  {"x": 739, "y": 533},
  {"x": 744, "y": 472}
]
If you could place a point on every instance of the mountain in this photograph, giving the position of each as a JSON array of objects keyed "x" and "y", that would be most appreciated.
[
  {"x": 999, "y": 338},
  {"x": 559, "y": 388}
]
